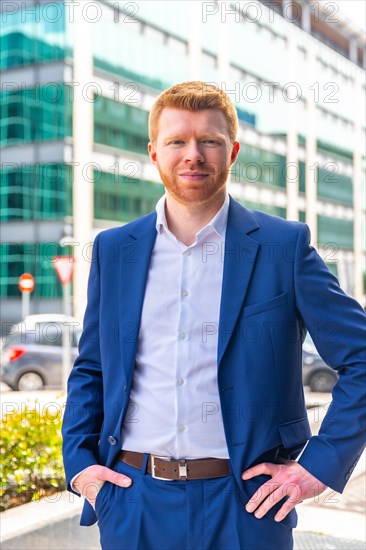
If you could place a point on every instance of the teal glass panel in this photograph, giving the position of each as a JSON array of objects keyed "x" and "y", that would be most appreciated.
[
  {"x": 36, "y": 114},
  {"x": 268, "y": 208},
  {"x": 334, "y": 150},
  {"x": 123, "y": 199},
  {"x": 333, "y": 268},
  {"x": 334, "y": 186},
  {"x": 172, "y": 17},
  {"x": 38, "y": 191},
  {"x": 120, "y": 125},
  {"x": 258, "y": 166},
  {"x": 36, "y": 259},
  {"x": 32, "y": 34},
  {"x": 302, "y": 182},
  {"x": 141, "y": 58},
  {"x": 333, "y": 230}
]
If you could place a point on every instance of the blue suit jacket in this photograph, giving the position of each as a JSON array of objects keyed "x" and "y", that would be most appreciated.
[{"x": 275, "y": 286}]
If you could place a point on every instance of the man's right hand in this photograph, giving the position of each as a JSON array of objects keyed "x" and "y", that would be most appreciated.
[{"x": 91, "y": 480}]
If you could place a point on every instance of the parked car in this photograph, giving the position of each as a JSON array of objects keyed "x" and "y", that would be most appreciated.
[
  {"x": 315, "y": 373},
  {"x": 31, "y": 355}
]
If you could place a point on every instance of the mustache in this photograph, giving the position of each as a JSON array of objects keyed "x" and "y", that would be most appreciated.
[{"x": 198, "y": 170}]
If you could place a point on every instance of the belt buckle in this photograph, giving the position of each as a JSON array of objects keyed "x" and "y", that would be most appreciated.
[{"x": 167, "y": 458}]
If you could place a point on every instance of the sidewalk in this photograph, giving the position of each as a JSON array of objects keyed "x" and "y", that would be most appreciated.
[{"x": 54, "y": 525}]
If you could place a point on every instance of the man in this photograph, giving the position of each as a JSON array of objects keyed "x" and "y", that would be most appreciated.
[{"x": 191, "y": 351}]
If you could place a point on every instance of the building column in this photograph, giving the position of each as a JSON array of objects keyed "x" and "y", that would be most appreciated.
[
  {"x": 311, "y": 173},
  {"x": 83, "y": 136},
  {"x": 292, "y": 164},
  {"x": 353, "y": 53},
  {"x": 223, "y": 61},
  {"x": 358, "y": 183},
  {"x": 305, "y": 18},
  {"x": 194, "y": 42}
]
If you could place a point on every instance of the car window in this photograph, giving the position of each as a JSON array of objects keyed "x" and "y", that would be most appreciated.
[
  {"x": 21, "y": 338},
  {"x": 51, "y": 334},
  {"x": 44, "y": 334}
]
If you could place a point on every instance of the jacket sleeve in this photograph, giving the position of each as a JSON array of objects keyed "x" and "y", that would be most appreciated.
[
  {"x": 337, "y": 324},
  {"x": 84, "y": 407}
]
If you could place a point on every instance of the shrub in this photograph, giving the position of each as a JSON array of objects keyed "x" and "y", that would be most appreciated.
[{"x": 31, "y": 459}]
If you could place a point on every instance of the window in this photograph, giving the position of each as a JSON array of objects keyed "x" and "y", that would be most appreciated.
[
  {"x": 34, "y": 258},
  {"x": 335, "y": 186},
  {"x": 120, "y": 125},
  {"x": 35, "y": 114},
  {"x": 124, "y": 198},
  {"x": 337, "y": 231},
  {"x": 33, "y": 36},
  {"x": 259, "y": 166},
  {"x": 37, "y": 191}
]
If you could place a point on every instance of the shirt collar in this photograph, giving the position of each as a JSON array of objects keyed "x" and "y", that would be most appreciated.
[{"x": 218, "y": 222}]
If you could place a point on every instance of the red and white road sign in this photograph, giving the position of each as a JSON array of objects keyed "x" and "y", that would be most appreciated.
[
  {"x": 26, "y": 283},
  {"x": 64, "y": 266}
]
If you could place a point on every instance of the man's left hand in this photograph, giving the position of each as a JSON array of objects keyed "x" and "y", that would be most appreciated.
[{"x": 288, "y": 479}]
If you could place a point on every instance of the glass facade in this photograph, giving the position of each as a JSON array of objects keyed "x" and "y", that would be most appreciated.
[
  {"x": 144, "y": 55},
  {"x": 335, "y": 187},
  {"x": 120, "y": 125},
  {"x": 121, "y": 198},
  {"x": 333, "y": 268},
  {"x": 268, "y": 208},
  {"x": 332, "y": 230},
  {"x": 147, "y": 44},
  {"x": 34, "y": 34},
  {"x": 35, "y": 114},
  {"x": 258, "y": 166},
  {"x": 34, "y": 258},
  {"x": 35, "y": 191}
]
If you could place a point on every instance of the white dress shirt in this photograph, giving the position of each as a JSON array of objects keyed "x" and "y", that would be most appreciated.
[{"x": 174, "y": 407}]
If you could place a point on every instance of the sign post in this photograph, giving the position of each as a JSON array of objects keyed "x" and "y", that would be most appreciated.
[
  {"x": 26, "y": 286},
  {"x": 64, "y": 268}
]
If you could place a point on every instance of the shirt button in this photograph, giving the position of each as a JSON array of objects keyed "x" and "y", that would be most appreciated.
[
  {"x": 187, "y": 252},
  {"x": 184, "y": 292},
  {"x": 183, "y": 336},
  {"x": 180, "y": 382},
  {"x": 181, "y": 428}
]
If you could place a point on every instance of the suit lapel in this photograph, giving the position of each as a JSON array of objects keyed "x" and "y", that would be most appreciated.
[
  {"x": 135, "y": 255},
  {"x": 240, "y": 254}
]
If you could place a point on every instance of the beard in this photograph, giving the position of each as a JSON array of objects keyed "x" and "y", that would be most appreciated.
[{"x": 195, "y": 192}]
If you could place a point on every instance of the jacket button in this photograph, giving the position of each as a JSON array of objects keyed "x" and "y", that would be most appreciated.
[{"x": 112, "y": 440}]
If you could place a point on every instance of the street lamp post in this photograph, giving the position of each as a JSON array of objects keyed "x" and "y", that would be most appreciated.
[
  {"x": 64, "y": 269},
  {"x": 26, "y": 286}
]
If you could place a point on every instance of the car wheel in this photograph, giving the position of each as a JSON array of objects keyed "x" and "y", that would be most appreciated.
[
  {"x": 30, "y": 381},
  {"x": 322, "y": 381}
]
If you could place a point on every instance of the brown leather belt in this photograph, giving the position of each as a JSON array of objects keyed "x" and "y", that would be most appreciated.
[{"x": 170, "y": 469}]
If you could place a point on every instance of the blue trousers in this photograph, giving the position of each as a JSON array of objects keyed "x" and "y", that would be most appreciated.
[{"x": 207, "y": 514}]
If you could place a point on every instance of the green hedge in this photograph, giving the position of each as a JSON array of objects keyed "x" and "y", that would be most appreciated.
[{"x": 31, "y": 459}]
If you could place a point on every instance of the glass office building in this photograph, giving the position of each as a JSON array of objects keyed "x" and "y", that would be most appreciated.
[{"x": 79, "y": 78}]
